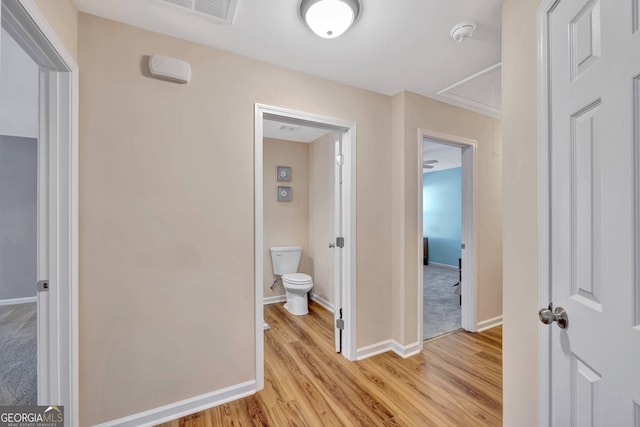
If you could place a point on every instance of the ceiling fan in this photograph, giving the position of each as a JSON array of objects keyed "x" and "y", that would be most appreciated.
[{"x": 429, "y": 164}]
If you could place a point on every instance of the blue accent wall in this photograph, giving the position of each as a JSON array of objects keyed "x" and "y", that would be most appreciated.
[{"x": 442, "y": 215}]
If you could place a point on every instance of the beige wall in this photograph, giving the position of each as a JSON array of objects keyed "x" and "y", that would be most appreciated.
[
  {"x": 425, "y": 113},
  {"x": 285, "y": 223},
  {"x": 398, "y": 170},
  {"x": 166, "y": 215},
  {"x": 520, "y": 223},
  {"x": 63, "y": 18},
  {"x": 308, "y": 219},
  {"x": 321, "y": 180}
]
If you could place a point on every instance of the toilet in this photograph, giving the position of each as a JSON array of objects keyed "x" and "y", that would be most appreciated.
[{"x": 285, "y": 261}]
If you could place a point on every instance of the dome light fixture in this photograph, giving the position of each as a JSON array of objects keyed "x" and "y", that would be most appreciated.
[{"x": 329, "y": 18}]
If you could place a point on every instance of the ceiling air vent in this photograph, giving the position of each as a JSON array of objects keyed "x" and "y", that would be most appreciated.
[{"x": 223, "y": 10}]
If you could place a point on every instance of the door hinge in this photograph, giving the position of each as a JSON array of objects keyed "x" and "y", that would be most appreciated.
[
  {"x": 340, "y": 159},
  {"x": 463, "y": 246},
  {"x": 43, "y": 286},
  {"x": 340, "y": 322},
  {"x": 340, "y": 242}
]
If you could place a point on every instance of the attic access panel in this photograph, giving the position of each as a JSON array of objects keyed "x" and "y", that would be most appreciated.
[{"x": 221, "y": 10}]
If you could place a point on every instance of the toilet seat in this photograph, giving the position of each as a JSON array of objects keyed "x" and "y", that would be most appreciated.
[{"x": 297, "y": 279}]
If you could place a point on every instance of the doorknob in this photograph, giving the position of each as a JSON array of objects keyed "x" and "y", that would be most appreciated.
[
  {"x": 559, "y": 315},
  {"x": 332, "y": 245}
]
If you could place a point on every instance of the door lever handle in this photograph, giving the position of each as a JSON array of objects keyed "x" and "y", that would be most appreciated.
[{"x": 332, "y": 245}]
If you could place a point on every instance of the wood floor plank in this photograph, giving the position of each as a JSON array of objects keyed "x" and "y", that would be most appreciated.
[
  {"x": 455, "y": 381},
  {"x": 286, "y": 374},
  {"x": 425, "y": 390}
]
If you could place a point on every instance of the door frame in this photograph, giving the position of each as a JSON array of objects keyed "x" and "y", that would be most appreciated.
[
  {"x": 58, "y": 377},
  {"x": 469, "y": 221},
  {"x": 348, "y": 128},
  {"x": 544, "y": 206}
]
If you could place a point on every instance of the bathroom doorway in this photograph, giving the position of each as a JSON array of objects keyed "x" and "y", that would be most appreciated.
[
  {"x": 453, "y": 268},
  {"x": 329, "y": 166}
]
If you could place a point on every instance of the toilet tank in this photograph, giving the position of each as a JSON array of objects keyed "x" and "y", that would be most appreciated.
[{"x": 285, "y": 259}]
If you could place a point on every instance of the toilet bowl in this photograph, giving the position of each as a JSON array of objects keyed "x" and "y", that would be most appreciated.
[
  {"x": 297, "y": 287},
  {"x": 285, "y": 261}
]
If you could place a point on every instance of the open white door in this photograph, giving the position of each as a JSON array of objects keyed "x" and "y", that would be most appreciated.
[
  {"x": 589, "y": 168},
  {"x": 468, "y": 280},
  {"x": 339, "y": 245}
]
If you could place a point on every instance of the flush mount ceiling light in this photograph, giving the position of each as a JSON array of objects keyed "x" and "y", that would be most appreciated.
[{"x": 329, "y": 18}]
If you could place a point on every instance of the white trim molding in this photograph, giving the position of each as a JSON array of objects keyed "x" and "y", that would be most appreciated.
[
  {"x": 274, "y": 300},
  {"x": 404, "y": 351},
  {"x": 322, "y": 301},
  {"x": 15, "y": 301},
  {"x": 544, "y": 292},
  {"x": 489, "y": 323},
  {"x": 185, "y": 407},
  {"x": 447, "y": 266},
  {"x": 373, "y": 349},
  {"x": 283, "y": 298},
  {"x": 445, "y": 95}
]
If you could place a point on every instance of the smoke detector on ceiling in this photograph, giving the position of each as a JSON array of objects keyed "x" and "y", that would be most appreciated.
[{"x": 462, "y": 31}]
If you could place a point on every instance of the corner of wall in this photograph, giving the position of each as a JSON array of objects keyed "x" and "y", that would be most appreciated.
[
  {"x": 397, "y": 216},
  {"x": 520, "y": 190}
]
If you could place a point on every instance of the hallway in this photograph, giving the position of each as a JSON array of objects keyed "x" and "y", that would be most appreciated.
[{"x": 457, "y": 380}]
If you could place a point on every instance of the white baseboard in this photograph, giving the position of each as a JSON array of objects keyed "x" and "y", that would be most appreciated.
[
  {"x": 18, "y": 300},
  {"x": 283, "y": 298},
  {"x": 489, "y": 323},
  {"x": 406, "y": 351},
  {"x": 373, "y": 349},
  {"x": 274, "y": 300},
  {"x": 186, "y": 407},
  {"x": 447, "y": 266},
  {"x": 323, "y": 302},
  {"x": 389, "y": 345}
]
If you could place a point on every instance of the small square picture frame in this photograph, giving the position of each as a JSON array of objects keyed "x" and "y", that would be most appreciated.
[
  {"x": 284, "y": 194},
  {"x": 283, "y": 173}
]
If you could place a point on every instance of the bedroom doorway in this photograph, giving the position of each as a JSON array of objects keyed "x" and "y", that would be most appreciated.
[
  {"x": 447, "y": 289},
  {"x": 55, "y": 152},
  {"x": 442, "y": 234},
  {"x": 19, "y": 239}
]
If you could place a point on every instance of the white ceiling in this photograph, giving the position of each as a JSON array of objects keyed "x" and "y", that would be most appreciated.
[
  {"x": 481, "y": 92},
  {"x": 394, "y": 46},
  {"x": 448, "y": 156},
  {"x": 291, "y": 132}
]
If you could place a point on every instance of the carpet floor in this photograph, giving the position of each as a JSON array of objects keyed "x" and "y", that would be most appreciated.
[
  {"x": 442, "y": 312},
  {"x": 18, "y": 355}
]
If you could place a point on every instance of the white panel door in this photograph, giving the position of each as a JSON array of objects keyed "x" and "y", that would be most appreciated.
[
  {"x": 593, "y": 67},
  {"x": 337, "y": 258}
]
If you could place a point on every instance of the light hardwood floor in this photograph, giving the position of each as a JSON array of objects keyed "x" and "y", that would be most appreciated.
[{"x": 455, "y": 381}]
